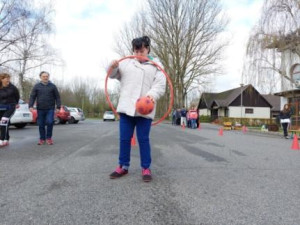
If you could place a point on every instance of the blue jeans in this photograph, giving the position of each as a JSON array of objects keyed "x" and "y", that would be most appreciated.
[
  {"x": 143, "y": 126},
  {"x": 45, "y": 118},
  {"x": 193, "y": 123}
]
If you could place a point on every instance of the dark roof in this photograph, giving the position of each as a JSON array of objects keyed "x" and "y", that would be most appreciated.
[
  {"x": 274, "y": 101},
  {"x": 288, "y": 92},
  {"x": 223, "y": 99}
]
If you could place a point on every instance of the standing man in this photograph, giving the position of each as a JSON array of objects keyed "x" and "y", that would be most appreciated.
[
  {"x": 46, "y": 95},
  {"x": 183, "y": 117}
]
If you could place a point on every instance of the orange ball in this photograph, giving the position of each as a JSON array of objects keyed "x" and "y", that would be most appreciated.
[{"x": 144, "y": 105}]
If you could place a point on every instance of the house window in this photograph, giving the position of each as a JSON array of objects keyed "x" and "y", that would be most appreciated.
[
  {"x": 248, "y": 111},
  {"x": 295, "y": 72}
]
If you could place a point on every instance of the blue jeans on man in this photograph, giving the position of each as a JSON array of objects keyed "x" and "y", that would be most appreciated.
[
  {"x": 127, "y": 125},
  {"x": 45, "y": 118}
]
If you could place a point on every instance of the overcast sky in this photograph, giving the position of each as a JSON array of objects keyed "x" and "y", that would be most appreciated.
[{"x": 85, "y": 33}]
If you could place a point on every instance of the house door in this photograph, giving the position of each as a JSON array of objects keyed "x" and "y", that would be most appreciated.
[{"x": 214, "y": 114}]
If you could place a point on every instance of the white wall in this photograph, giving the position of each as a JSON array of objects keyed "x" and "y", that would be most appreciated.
[
  {"x": 283, "y": 101},
  {"x": 204, "y": 112},
  {"x": 221, "y": 112},
  {"x": 288, "y": 59},
  {"x": 258, "y": 112}
]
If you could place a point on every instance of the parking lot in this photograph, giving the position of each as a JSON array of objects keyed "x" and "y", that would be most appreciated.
[{"x": 199, "y": 177}]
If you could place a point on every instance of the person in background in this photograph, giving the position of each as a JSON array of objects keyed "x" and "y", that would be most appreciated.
[
  {"x": 183, "y": 117},
  {"x": 178, "y": 116},
  {"x": 285, "y": 119},
  {"x": 193, "y": 115},
  {"x": 9, "y": 101},
  {"x": 46, "y": 95},
  {"x": 138, "y": 77},
  {"x": 174, "y": 117}
]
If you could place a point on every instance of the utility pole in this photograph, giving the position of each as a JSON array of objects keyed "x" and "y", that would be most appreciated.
[{"x": 241, "y": 101}]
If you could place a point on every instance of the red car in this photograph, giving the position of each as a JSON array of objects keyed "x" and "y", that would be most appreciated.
[{"x": 59, "y": 117}]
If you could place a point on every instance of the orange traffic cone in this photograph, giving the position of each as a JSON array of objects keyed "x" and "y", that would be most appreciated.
[
  {"x": 133, "y": 142},
  {"x": 295, "y": 145},
  {"x": 221, "y": 131}
]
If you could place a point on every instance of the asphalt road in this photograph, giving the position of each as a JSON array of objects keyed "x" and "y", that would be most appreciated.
[{"x": 199, "y": 177}]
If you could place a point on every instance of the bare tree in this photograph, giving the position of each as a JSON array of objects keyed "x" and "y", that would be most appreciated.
[
  {"x": 185, "y": 35},
  {"x": 278, "y": 30},
  {"x": 11, "y": 11},
  {"x": 33, "y": 49}
]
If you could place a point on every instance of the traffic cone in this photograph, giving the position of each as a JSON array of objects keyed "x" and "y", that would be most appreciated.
[
  {"x": 183, "y": 126},
  {"x": 221, "y": 131},
  {"x": 199, "y": 126},
  {"x": 133, "y": 142},
  {"x": 295, "y": 145}
]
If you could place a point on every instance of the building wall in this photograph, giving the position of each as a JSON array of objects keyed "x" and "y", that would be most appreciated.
[
  {"x": 204, "y": 112},
  {"x": 283, "y": 101},
  {"x": 288, "y": 59},
  {"x": 258, "y": 112},
  {"x": 221, "y": 112}
]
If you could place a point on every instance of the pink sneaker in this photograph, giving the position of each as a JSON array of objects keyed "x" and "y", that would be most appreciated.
[
  {"x": 146, "y": 173},
  {"x": 119, "y": 172},
  {"x": 41, "y": 142},
  {"x": 49, "y": 141},
  {"x": 4, "y": 143}
]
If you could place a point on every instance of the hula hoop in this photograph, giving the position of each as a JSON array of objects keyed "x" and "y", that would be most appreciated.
[{"x": 161, "y": 69}]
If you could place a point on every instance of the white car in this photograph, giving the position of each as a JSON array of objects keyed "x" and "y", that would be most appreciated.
[
  {"x": 109, "y": 115},
  {"x": 22, "y": 116},
  {"x": 76, "y": 115}
]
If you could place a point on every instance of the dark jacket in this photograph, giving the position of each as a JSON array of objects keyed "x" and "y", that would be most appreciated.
[
  {"x": 183, "y": 112},
  {"x": 46, "y": 95},
  {"x": 9, "y": 95},
  {"x": 285, "y": 114}
]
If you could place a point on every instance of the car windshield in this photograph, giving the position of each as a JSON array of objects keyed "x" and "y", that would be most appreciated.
[
  {"x": 66, "y": 109},
  {"x": 109, "y": 112}
]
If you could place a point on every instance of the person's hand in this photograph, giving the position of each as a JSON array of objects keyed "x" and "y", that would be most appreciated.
[
  {"x": 151, "y": 98},
  {"x": 17, "y": 106},
  {"x": 31, "y": 109},
  {"x": 114, "y": 64}
]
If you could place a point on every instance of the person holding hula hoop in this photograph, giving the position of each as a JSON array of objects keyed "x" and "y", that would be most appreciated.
[{"x": 138, "y": 78}]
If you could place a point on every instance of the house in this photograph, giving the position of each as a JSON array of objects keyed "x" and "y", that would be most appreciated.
[
  {"x": 241, "y": 102},
  {"x": 288, "y": 46},
  {"x": 275, "y": 102}
]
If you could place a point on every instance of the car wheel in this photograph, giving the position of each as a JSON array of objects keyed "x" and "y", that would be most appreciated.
[
  {"x": 76, "y": 121},
  {"x": 104, "y": 120},
  {"x": 63, "y": 121},
  {"x": 57, "y": 121},
  {"x": 72, "y": 120},
  {"x": 20, "y": 125}
]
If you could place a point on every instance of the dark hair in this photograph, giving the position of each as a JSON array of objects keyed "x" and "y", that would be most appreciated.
[
  {"x": 44, "y": 72},
  {"x": 140, "y": 42},
  {"x": 288, "y": 108}
]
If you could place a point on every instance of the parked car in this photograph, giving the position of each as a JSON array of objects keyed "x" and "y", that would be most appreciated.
[
  {"x": 61, "y": 117},
  {"x": 76, "y": 115},
  {"x": 109, "y": 115},
  {"x": 22, "y": 115}
]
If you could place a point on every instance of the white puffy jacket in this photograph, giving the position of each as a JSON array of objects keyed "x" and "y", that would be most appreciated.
[{"x": 137, "y": 80}]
